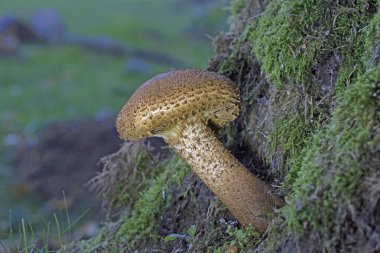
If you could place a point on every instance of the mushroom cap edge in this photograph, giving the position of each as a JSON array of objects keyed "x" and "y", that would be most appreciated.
[{"x": 163, "y": 101}]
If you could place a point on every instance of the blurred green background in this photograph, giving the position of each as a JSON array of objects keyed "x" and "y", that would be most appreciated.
[
  {"x": 54, "y": 82},
  {"x": 41, "y": 83}
]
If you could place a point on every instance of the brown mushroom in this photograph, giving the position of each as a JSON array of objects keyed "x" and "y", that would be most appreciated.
[{"x": 182, "y": 107}]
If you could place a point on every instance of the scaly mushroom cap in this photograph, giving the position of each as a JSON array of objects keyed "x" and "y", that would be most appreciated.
[{"x": 164, "y": 101}]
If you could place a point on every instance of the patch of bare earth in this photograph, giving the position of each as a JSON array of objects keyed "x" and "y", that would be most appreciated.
[{"x": 64, "y": 158}]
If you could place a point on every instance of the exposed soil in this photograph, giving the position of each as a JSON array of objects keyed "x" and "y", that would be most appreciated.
[{"x": 65, "y": 158}]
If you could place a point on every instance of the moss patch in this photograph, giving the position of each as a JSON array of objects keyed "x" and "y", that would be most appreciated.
[
  {"x": 291, "y": 135},
  {"x": 141, "y": 224},
  {"x": 332, "y": 168},
  {"x": 311, "y": 51},
  {"x": 293, "y": 36},
  {"x": 293, "y": 40},
  {"x": 237, "y": 6},
  {"x": 326, "y": 143},
  {"x": 238, "y": 239}
]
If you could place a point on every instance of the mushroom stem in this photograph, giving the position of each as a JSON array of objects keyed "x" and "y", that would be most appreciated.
[{"x": 246, "y": 196}]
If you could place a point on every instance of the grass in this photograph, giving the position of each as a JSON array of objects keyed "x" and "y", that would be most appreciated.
[
  {"x": 67, "y": 83},
  {"x": 51, "y": 83},
  {"x": 131, "y": 21},
  {"x": 26, "y": 237},
  {"x": 139, "y": 224}
]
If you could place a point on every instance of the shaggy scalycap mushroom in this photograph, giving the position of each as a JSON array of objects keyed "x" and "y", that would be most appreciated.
[{"x": 183, "y": 107}]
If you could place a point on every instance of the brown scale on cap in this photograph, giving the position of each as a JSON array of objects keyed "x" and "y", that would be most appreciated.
[{"x": 180, "y": 106}]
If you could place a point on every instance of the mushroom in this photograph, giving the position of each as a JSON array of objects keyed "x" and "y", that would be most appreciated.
[{"x": 183, "y": 107}]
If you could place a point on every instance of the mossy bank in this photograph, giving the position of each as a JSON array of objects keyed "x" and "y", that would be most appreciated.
[{"x": 309, "y": 78}]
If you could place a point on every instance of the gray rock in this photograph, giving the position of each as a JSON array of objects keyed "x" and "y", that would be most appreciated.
[
  {"x": 49, "y": 24},
  {"x": 136, "y": 66}
]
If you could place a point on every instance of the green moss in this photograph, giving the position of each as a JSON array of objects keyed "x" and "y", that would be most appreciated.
[
  {"x": 293, "y": 36},
  {"x": 237, "y": 6},
  {"x": 291, "y": 138},
  {"x": 244, "y": 239},
  {"x": 279, "y": 36},
  {"x": 332, "y": 167},
  {"x": 307, "y": 175},
  {"x": 372, "y": 37},
  {"x": 290, "y": 40},
  {"x": 142, "y": 222},
  {"x": 228, "y": 66},
  {"x": 291, "y": 134},
  {"x": 129, "y": 189},
  {"x": 292, "y": 175}
]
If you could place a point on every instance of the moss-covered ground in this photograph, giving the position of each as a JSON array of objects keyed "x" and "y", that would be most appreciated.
[
  {"x": 290, "y": 40},
  {"x": 333, "y": 166},
  {"x": 320, "y": 97},
  {"x": 310, "y": 83},
  {"x": 327, "y": 134},
  {"x": 319, "y": 112},
  {"x": 138, "y": 226},
  {"x": 143, "y": 221}
]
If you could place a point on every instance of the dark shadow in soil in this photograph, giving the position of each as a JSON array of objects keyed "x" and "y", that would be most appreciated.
[{"x": 65, "y": 158}]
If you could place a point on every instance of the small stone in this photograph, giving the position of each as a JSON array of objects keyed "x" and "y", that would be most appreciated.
[
  {"x": 232, "y": 249},
  {"x": 137, "y": 66},
  {"x": 11, "y": 140},
  {"x": 49, "y": 24},
  {"x": 298, "y": 205}
]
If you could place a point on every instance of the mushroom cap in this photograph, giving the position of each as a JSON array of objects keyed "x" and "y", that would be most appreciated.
[{"x": 171, "y": 99}]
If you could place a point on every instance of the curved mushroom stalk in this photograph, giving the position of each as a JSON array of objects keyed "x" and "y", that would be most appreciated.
[{"x": 246, "y": 196}]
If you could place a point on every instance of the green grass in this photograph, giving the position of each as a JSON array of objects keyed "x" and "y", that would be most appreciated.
[
  {"x": 51, "y": 83},
  {"x": 131, "y": 21},
  {"x": 23, "y": 236},
  {"x": 47, "y": 84},
  {"x": 59, "y": 82}
]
